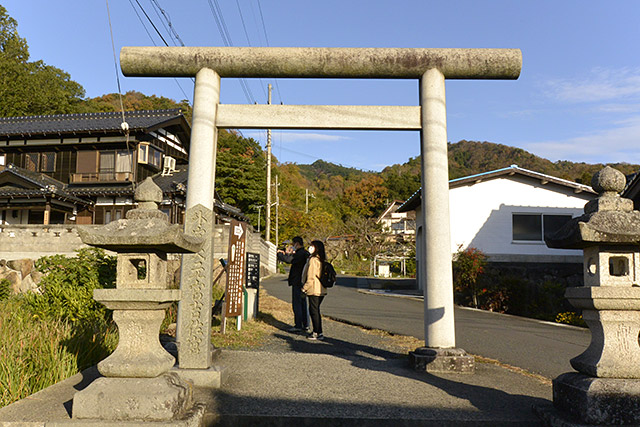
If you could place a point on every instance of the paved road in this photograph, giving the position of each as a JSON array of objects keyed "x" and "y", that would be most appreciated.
[{"x": 538, "y": 347}]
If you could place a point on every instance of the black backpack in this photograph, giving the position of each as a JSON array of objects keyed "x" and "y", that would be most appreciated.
[{"x": 328, "y": 275}]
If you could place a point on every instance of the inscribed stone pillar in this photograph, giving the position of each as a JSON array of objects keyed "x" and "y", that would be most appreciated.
[
  {"x": 438, "y": 292},
  {"x": 194, "y": 314}
]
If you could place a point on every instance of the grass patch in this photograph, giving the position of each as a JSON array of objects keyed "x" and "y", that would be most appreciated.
[
  {"x": 273, "y": 314},
  {"x": 36, "y": 353}
]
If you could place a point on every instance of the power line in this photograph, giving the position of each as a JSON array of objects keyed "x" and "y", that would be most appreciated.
[
  {"x": 226, "y": 39},
  {"x": 142, "y": 22},
  {"x": 172, "y": 31},
  {"x": 152, "y": 24},
  {"x": 246, "y": 33},
  {"x": 151, "y": 38},
  {"x": 266, "y": 38}
]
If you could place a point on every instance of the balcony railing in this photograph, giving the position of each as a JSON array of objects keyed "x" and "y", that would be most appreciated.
[{"x": 100, "y": 177}]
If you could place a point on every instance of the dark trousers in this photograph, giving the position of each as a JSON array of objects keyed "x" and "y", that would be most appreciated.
[
  {"x": 300, "y": 311},
  {"x": 314, "y": 311}
]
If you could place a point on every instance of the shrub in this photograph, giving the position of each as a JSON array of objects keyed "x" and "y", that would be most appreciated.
[
  {"x": 68, "y": 284},
  {"x": 468, "y": 265},
  {"x": 571, "y": 318},
  {"x": 5, "y": 289}
]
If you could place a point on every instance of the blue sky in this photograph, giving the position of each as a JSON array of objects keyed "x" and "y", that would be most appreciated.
[{"x": 578, "y": 96}]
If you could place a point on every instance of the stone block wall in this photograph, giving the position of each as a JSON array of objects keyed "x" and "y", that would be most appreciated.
[{"x": 21, "y": 244}]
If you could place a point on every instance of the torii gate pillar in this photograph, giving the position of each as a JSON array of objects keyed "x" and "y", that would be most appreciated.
[{"x": 430, "y": 66}]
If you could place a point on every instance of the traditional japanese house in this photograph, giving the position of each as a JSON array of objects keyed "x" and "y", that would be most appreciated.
[{"x": 82, "y": 168}]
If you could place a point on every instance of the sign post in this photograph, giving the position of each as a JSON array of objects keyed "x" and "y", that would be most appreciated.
[{"x": 235, "y": 274}]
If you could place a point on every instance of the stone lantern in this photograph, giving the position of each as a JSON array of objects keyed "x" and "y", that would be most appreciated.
[
  {"x": 606, "y": 387},
  {"x": 137, "y": 384}
]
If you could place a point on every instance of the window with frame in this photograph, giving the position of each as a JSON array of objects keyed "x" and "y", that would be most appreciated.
[
  {"x": 31, "y": 161},
  {"x": 150, "y": 155},
  {"x": 48, "y": 162},
  {"x": 528, "y": 227},
  {"x": 2, "y": 159},
  {"x": 143, "y": 153}
]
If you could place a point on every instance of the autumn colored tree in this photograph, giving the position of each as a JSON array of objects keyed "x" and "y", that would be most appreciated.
[
  {"x": 366, "y": 197},
  {"x": 468, "y": 265}
]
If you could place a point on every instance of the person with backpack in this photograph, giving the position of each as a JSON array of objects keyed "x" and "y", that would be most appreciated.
[{"x": 313, "y": 287}]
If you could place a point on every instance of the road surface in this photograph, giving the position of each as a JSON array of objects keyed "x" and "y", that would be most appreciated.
[{"x": 538, "y": 347}]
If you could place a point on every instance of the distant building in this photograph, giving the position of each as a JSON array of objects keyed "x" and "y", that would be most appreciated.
[
  {"x": 507, "y": 212},
  {"x": 399, "y": 224}
]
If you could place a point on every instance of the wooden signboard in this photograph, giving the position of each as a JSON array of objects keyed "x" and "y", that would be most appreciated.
[{"x": 235, "y": 269}]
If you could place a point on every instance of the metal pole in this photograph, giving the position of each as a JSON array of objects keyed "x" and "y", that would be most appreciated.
[
  {"x": 268, "y": 211},
  {"x": 438, "y": 292}
]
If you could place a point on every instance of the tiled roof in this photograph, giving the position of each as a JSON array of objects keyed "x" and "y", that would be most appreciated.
[
  {"x": 70, "y": 123},
  {"x": 43, "y": 185},
  {"x": 412, "y": 202},
  {"x": 177, "y": 183}
]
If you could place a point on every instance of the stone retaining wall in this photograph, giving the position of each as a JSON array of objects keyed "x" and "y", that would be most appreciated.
[{"x": 21, "y": 244}]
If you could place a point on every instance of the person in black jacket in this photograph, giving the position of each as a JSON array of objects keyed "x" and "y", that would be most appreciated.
[{"x": 297, "y": 257}]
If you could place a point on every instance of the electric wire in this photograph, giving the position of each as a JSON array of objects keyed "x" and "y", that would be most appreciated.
[
  {"x": 266, "y": 38},
  {"x": 124, "y": 125},
  {"x": 151, "y": 38},
  {"x": 152, "y": 24},
  {"x": 216, "y": 11},
  {"x": 172, "y": 31},
  {"x": 246, "y": 34}
]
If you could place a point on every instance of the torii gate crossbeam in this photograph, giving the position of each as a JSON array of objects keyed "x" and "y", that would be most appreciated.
[{"x": 430, "y": 66}]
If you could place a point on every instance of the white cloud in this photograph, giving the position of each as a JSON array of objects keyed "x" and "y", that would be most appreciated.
[
  {"x": 616, "y": 144},
  {"x": 295, "y": 136},
  {"x": 303, "y": 136},
  {"x": 602, "y": 84}
]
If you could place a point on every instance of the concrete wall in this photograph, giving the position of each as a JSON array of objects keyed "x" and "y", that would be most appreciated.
[
  {"x": 35, "y": 241},
  {"x": 255, "y": 243}
]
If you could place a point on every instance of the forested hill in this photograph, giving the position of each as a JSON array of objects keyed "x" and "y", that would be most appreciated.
[{"x": 472, "y": 157}]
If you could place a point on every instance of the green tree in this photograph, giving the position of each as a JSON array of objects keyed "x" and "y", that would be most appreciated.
[
  {"x": 28, "y": 88},
  {"x": 241, "y": 172},
  {"x": 132, "y": 101}
]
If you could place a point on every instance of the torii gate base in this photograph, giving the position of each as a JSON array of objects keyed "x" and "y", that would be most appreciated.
[{"x": 430, "y": 66}]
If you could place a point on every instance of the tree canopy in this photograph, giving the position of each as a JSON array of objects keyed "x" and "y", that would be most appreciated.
[{"x": 31, "y": 87}]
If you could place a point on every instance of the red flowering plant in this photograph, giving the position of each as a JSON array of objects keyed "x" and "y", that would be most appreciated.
[{"x": 468, "y": 265}]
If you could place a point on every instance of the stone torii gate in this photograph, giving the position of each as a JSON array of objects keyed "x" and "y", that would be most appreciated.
[{"x": 430, "y": 66}]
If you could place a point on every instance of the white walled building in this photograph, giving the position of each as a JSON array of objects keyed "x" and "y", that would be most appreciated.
[
  {"x": 506, "y": 213},
  {"x": 397, "y": 223}
]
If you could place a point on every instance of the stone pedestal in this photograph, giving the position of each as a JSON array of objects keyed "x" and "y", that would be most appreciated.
[
  {"x": 600, "y": 401},
  {"x": 606, "y": 388},
  {"x": 138, "y": 387},
  {"x": 441, "y": 360},
  {"x": 163, "y": 398}
]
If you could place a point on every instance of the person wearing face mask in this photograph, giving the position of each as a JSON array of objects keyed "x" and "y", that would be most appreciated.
[
  {"x": 297, "y": 257},
  {"x": 313, "y": 288}
]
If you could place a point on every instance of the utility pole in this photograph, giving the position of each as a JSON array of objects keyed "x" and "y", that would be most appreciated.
[
  {"x": 268, "y": 205},
  {"x": 277, "y": 207},
  {"x": 306, "y": 200}
]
